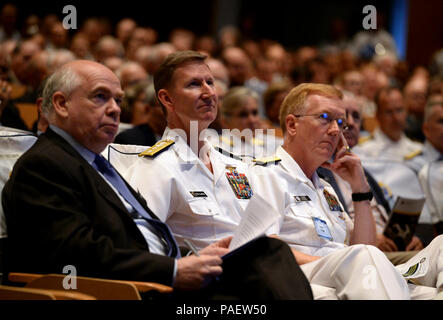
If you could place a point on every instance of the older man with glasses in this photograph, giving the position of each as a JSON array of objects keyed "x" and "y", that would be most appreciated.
[{"x": 314, "y": 222}]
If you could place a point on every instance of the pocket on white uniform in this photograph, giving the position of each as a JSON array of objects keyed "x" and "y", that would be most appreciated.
[{"x": 203, "y": 207}]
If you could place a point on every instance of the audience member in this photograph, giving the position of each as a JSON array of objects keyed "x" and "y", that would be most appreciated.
[
  {"x": 103, "y": 227},
  {"x": 415, "y": 92},
  {"x": 131, "y": 73},
  {"x": 273, "y": 98},
  {"x": 314, "y": 221},
  {"x": 8, "y": 23},
  {"x": 199, "y": 204},
  {"x": 388, "y": 140},
  {"x": 147, "y": 116},
  {"x": 124, "y": 30},
  {"x": 379, "y": 205}
]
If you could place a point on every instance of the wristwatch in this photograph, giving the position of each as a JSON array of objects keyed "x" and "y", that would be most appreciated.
[{"x": 362, "y": 196}]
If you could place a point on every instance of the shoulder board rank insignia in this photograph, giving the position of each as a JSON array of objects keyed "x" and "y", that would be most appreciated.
[
  {"x": 239, "y": 183},
  {"x": 258, "y": 142},
  {"x": 157, "y": 148},
  {"x": 266, "y": 160},
  {"x": 413, "y": 154},
  {"x": 227, "y": 153},
  {"x": 362, "y": 140}
]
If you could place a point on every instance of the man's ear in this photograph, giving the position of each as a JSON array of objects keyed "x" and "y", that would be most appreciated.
[
  {"x": 60, "y": 104},
  {"x": 291, "y": 124},
  {"x": 165, "y": 99}
]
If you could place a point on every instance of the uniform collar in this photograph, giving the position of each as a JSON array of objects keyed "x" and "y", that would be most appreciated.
[
  {"x": 430, "y": 152},
  {"x": 291, "y": 166},
  {"x": 180, "y": 146},
  {"x": 381, "y": 136}
]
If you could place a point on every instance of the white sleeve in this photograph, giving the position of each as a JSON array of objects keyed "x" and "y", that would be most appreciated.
[
  {"x": 267, "y": 184},
  {"x": 155, "y": 183}
]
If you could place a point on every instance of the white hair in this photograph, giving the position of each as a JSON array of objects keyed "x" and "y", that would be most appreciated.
[{"x": 64, "y": 80}]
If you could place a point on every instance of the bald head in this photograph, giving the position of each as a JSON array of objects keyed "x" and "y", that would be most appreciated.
[
  {"x": 415, "y": 95},
  {"x": 84, "y": 99},
  {"x": 69, "y": 77}
]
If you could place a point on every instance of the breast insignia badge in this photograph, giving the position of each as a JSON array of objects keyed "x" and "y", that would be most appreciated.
[
  {"x": 332, "y": 201},
  {"x": 239, "y": 183}
]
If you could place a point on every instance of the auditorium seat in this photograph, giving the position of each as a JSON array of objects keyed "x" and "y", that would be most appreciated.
[{"x": 102, "y": 289}]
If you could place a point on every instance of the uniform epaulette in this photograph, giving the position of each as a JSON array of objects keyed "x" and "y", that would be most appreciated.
[
  {"x": 226, "y": 141},
  {"x": 258, "y": 142},
  {"x": 266, "y": 160},
  {"x": 413, "y": 154},
  {"x": 362, "y": 140},
  {"x": 227, "y": 153},
  {"x": 157, "y": 148}
]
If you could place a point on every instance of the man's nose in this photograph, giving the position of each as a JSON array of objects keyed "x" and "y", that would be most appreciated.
[
  {"x": 208, "y": 90},
  {"x": 333, "y": 129},
  {"x": 114, "y": 109}
]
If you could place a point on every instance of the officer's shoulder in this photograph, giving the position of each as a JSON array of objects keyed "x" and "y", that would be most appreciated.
[
  {"x": 266, "y": 161},
  {"x": 227, "y": 153},
  {"x": 363, "y": 140},
  {"x": 413, "y": 154},
  {"x": 157, "y": 148}
]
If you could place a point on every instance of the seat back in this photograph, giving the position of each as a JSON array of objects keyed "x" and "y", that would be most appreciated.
[
  {"x": 28, "y": 112},
  {"x": 19, "y": 293},
  {"x": 102, "y": 289}
]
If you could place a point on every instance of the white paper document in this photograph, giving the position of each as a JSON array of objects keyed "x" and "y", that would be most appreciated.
[{"x": 257, "y": 218}]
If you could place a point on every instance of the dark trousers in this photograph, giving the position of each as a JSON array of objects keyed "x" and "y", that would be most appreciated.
[{"x": 263, "y": 269}]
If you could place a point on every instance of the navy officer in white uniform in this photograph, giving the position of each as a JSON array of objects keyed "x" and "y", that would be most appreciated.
[
  {"x": 201, "y": 193},
  {"x": 314, "y": 222}
]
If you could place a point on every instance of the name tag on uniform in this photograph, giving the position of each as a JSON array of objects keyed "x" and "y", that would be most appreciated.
[
  {"x": 322, "y": 228},
  {"x": 302, "y": 198},
  {"x": 198, "y": 194}
]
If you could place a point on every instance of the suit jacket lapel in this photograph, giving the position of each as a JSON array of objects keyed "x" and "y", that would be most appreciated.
[{"x": 102, "y": 186}]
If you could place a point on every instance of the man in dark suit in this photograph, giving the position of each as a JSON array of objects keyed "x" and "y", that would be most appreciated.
[{"x": 65, "y": 205}]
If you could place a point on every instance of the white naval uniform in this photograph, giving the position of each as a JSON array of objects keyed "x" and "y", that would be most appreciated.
[
  {"x": 13, "y": 143},
  {"x": 181, "y": 191},
  {"x": 428, "y": 154},
  {"x": 431, "y": 179},
  {"x": 429, "y": 168},
  {"x": 382, "y": 147},
  {"x": 297, "y": 227},
  {"x": 342, "y": 267}
]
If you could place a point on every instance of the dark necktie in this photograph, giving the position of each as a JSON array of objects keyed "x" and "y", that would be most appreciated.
[{"x": 162, "y": 230}]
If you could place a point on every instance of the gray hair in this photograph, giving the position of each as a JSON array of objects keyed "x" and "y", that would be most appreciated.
[
  {"x": 63, "y": 79},
  {"x": 235, "y": 99}
]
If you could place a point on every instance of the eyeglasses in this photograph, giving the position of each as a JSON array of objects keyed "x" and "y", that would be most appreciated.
[{"x": 326, "y": 119}]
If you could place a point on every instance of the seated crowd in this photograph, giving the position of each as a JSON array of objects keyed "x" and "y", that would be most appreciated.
[{"x": 142, "y": 153}]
